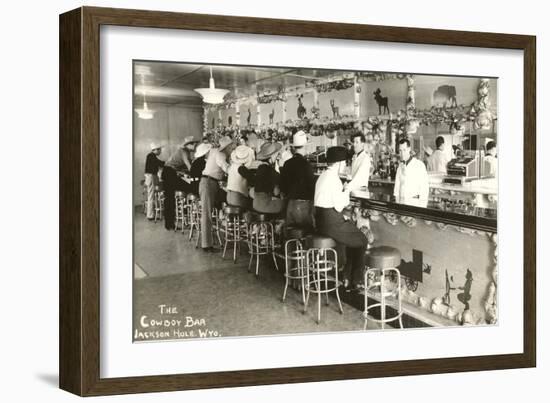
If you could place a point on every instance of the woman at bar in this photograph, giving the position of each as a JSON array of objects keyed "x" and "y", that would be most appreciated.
[
  {"x": 330, "y": 200},
  {"x": 265, "y": 180},
  {"x": 237, "y": 185}
]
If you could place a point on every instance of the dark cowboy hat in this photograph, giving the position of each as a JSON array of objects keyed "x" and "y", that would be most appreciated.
[{"x": 336, "y": 154}]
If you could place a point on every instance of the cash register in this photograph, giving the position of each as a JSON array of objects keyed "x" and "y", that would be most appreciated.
[{"x": 461, "y": 170}]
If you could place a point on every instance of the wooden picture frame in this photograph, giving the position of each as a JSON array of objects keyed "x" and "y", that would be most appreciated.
[{"x": 79, "y": 278}]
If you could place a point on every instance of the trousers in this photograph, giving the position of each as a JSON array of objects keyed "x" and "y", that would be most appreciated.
[
  {"x": 150, "y": 182},
  {"x": 352, "y": 243},
  {"x": 208, "y": 191}
]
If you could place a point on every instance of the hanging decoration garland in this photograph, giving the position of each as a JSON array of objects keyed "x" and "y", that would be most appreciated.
[{"x": 267, "y": 98}]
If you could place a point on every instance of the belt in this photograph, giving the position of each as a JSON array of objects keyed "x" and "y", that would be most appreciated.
[{"x": 209, "y": 177}]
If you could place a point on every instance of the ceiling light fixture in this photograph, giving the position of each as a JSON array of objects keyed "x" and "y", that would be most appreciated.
[
  {"x": 212, "y": 95},
  {"x": 144, "y": 113}
]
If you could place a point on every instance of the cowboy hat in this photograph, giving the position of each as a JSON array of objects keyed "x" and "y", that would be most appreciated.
[
  {"x": 188, "y": 140},
  {"x": 268, "y": 149},
  {"x": 336, "y": 154},
  {"x": 202, "y": 149},
  {"x": 154, "y": 145},
  {"x": 242, "y": 155},
  {"x": 299, "y": 139},
  {"x": 224, "y": 142}
]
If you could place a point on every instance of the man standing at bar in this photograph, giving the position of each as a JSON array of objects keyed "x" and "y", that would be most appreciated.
[
  {"x": 178, "y": 162},
  {"x": 330, "y": 201},
  {"x": 360, "y": 165},
  {"x": 411, "y": 181},
  {"x": 298, "y": 185},
  {"x": 152, "y": 166},
  {"x": 215, "y": 169},
  {"x": 437, "y": 162}
]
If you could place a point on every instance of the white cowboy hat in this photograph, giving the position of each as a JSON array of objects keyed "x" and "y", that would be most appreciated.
[
  {"x": 154, "y": 145},
  {"x": 202, "y": 149},
  {"x": 224, "y": 142},
  {"x": 188, "y": 140},
  {"x": 242, "y": 155},
  {"x": 299, "y": 139},
  {"x": 268, "y": 149}
]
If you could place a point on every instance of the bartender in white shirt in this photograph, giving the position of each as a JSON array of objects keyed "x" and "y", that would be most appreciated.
[
  {"x": 437, "y": 162},
  {"x": 329, "y": 200},
  {"x": 411, "y": 181},
  {"x": 360, "y": 165},
  {"x": 490, "y": 159}
]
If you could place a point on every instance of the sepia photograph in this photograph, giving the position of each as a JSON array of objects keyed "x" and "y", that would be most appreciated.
[{"x": 287, "y": 200}]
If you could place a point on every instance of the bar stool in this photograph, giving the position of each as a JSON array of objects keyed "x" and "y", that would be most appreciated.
[
  {"x": 194, "y": 211},
  {"x": 295, "y": 259},
  {"x": 261, "y": 239},
  {"x": 321, "y": 270},
  {"x": 233, "y": 227},
  {"x": 217, "y": 223},
  {"x": 382, "y": 261},
  {"x": 159, "y": 203},
  {"x": 179, "y": 222}
]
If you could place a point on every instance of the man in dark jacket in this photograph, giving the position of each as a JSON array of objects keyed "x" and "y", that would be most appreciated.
[{"x": 298, "y": 185}]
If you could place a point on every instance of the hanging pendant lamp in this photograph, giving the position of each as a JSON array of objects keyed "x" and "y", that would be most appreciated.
[
  {"x": 145, "y": 113},
  {"x": 212, "y": 95}
]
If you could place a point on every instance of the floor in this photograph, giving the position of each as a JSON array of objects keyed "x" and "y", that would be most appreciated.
[{"x": 183, "y": 292}]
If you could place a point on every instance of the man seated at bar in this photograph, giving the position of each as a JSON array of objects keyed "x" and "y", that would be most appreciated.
[
  {"x": 298, "y": 185},
  {"x": 237, "y": 185},
  {"x": 360, "y": 165},
  {"x": 265, "y": 180},
  {"x": 411, "y": 180},
  {"x": 330, "y": 200},
  {"x": 437, "y": 162},
  {"x": 214, "y": 171}
]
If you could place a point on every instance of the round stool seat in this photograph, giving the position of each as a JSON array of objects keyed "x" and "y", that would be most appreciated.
[
  {"x": 261, "y": 217},
  {"x": 296, "y": 233},
  {"x": 233, "y": 210},
  {"x": 383, "y": 257},
  {"x": 158, "y": 188},
  {"x": 179, "y": 193},
  {"x": 320, "y": 242},
  {"x": 192, "y": 197}
]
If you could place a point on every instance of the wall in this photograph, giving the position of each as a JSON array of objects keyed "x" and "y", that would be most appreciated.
[
  {"x": 29, "y": 285},
  {"x": 169, "y": 126}
]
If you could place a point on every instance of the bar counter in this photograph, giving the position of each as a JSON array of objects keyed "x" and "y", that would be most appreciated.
[{"x": 448, "y": 256}]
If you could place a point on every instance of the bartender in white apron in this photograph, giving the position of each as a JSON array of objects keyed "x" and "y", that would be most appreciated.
[{"x": 411, "y": 181}]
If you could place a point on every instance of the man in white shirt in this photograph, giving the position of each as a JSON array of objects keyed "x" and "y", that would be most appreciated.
[
  {"x": 411, "y": 181},
  {"x": 490, "y": 159},
  {"x": 329, "y": 200},
  {"x": 437, "y": 162},
  {"x": 214, "y": 171},
  {"x": 360, "y": 165}
]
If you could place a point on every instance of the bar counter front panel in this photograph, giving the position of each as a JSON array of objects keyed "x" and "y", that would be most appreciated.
[{"x": 449, "y": 256}]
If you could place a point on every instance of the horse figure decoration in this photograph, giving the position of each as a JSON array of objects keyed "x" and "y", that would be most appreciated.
[
  {"x": 271, "y": 116},
  {"x": 381, "y": 101},
  {"x": 248, "y": 117},
  {"x": 301, "y": 111},
  {"x": 335, "y": 109}
]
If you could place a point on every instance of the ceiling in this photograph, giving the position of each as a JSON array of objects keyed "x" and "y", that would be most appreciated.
[{"x": 173, "y": 83}]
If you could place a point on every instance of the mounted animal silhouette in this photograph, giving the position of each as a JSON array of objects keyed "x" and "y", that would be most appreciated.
[
  {"x": 381, "y": 101},
  {"x": 444, "y": 94},
  {"x": 271, "y": 116},
  {"x": 248, "y": 117},
  {"x": 301, "y": 111},
  {"x": 335, "y": 109}
]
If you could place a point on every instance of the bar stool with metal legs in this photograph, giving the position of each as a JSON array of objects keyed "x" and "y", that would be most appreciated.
[
  {"x": 261, "y": 240},
  {"x": 159, "y": 203},
  {"x": 179, "y": 222},
  {"x": 194, "y": 214},
  {"x": 382, "y": 262},
  {"x": 295, "y": 260},
  {"x": 321, "y": 270},
  {"x": 233, "y": 225}
]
